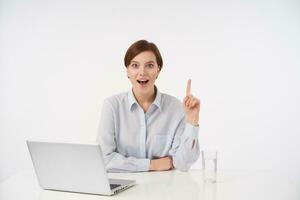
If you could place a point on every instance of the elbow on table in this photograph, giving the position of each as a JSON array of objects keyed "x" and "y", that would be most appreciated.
[{"x": 184, "y": 167}]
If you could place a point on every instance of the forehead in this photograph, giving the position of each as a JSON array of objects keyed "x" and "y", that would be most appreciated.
[{"x": 145, "y": 56}]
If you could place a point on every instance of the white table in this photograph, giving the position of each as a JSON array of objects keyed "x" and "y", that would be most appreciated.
[{"x": 169, "y": 185}]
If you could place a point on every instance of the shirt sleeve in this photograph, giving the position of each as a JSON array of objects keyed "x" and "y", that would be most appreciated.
[
  {"x": 185, "y": 147},
  {"x": 114, "y": 161}
]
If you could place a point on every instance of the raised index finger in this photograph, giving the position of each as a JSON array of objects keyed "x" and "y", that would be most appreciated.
[{"x": 188, "y": 87}]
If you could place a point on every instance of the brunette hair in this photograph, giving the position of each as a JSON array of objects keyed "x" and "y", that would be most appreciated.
[{"x": 139, "y": 47}]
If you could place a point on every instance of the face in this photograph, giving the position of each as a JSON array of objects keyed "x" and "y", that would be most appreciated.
[{"x": 143, "y": 71}]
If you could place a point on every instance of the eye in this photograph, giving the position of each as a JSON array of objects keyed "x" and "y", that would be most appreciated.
[
  {"x": 134, "y": 65},
  {"x": 150, "y": 65}
]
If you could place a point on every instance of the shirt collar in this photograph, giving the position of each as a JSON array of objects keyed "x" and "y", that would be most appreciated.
[{"x": 132, "y": 100}]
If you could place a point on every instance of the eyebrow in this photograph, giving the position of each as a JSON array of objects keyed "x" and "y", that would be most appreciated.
[
  {"x": 145, "y": 62},
  {"x": 150, "y": 61}
]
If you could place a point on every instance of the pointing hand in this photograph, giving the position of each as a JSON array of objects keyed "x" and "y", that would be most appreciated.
[{"x": 191, "y": 106}]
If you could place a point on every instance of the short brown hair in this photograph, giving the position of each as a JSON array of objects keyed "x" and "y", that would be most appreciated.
[{"x": 139, "y": 47}]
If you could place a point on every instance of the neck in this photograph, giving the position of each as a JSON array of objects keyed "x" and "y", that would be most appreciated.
[{"x": 145, "y": 98}]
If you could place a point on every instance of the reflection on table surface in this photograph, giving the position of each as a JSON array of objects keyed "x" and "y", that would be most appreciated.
[{"x": 167, "y": 185}]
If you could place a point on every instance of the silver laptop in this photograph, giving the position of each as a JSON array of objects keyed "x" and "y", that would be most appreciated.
[{"x": 73, "y": 168}]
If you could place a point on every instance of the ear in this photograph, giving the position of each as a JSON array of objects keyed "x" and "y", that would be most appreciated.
[
  {"x": 158, "y": 71},
  {"x": 127, "y": 72}
]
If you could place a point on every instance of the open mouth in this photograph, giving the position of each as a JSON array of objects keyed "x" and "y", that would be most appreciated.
[{"x": 143, "y": 82}]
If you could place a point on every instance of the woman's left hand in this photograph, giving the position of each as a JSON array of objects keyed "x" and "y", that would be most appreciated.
[{"x": 191, "y": 106}]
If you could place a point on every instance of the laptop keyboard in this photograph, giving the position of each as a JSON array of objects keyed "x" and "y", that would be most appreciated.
[{"x": 112, "y": 186}]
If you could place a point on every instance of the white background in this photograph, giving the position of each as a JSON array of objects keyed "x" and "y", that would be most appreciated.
[{"x": 60, "y": 59}]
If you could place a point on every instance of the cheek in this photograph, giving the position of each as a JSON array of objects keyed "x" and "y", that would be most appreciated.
[
  {"x": 130, "y": 73},
  {"x": 132, "y": 76},
  {"x": 154, "y": 74}
]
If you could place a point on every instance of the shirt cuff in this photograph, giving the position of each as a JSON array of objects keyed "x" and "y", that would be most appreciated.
[
  {"x": 191, "y": 131},
  {"x": 143, "y": 165}
]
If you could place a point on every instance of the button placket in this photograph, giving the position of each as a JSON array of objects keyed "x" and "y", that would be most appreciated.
[{"x": 143, "y": 134}]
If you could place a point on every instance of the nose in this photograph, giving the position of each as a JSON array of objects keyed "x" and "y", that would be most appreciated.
[{"x": 142, "y": 70}]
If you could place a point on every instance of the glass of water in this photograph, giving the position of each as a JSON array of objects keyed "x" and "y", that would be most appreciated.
[{"x": 209, "y": 165}]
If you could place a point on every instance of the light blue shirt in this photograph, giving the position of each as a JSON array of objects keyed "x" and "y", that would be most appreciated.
[{"x": 130, "y": 138}]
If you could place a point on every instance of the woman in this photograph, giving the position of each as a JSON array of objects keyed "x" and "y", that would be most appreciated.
[{"x": 143, "y": 129}]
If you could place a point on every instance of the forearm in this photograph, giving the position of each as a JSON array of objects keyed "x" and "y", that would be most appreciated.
[
  {"x": 115, "y": 162},
  {"x": 186, "y": 156},
  {"x": 188, "y": 150}
]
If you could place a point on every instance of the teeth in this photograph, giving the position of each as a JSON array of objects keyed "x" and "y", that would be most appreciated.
[{"x": 142, "y": 81}]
